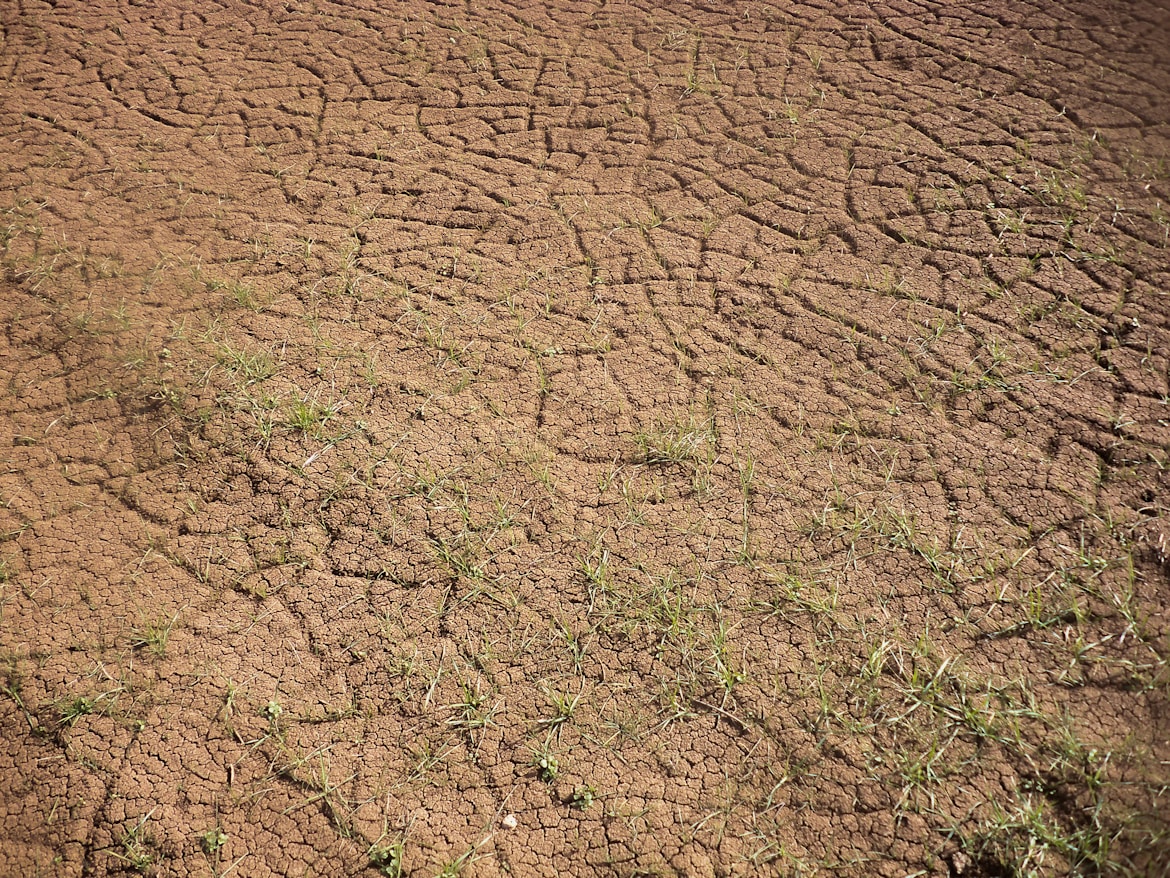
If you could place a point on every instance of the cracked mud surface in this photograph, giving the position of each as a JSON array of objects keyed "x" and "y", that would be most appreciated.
[{"x": 584, "y": 439}]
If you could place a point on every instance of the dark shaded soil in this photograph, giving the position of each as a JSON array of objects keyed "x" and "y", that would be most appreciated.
[{"x": 584, "y": 439}]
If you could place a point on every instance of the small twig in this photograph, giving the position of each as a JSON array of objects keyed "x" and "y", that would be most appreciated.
[{"x": 730, "y": 717}]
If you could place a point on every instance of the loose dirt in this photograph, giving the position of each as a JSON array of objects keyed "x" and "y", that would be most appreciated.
[{"x": 584, "y": 438}]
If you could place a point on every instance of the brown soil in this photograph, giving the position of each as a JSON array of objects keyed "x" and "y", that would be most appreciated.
[{"x": 584, "y": 438}]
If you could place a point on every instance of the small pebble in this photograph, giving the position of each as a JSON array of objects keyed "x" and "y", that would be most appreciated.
[{"x": 509, "y": 822}]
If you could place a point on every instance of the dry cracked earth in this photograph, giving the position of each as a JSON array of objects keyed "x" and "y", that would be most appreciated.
[{"x": 584, "y": 438}]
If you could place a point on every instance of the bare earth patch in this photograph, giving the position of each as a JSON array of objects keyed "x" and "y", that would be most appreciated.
[{"x": 584, "y": 439}]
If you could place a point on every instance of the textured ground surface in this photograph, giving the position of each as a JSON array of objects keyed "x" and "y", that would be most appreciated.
[{"x": 584, "y": 438}]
